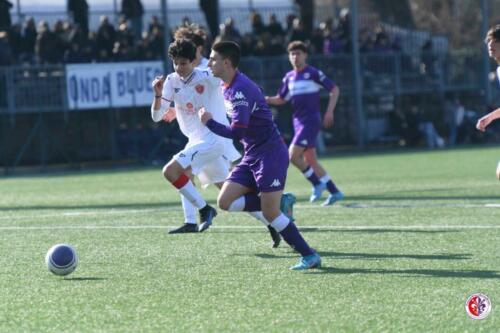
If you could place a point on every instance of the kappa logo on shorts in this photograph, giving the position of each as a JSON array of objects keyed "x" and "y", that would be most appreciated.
[
  {"x": 199, "y": 89},
  {"x": 275, "y": 183},
  {"x": 176, "y": 90},
  {"x": 304, "y": 142}
]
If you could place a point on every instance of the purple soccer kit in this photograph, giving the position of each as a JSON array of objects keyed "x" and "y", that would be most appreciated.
[
  {"x": 302, "y": 89},
  {"x": 265, "y": 161}
]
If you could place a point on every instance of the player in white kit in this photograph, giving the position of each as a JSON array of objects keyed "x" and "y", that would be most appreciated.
[{"x": 206, "y": 155}]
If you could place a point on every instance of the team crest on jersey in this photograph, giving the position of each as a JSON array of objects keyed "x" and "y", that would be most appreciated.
[
  {"x": 307, "y": 76},
  {"x": 199, "y": 89},
  {"x": 189, "y": 105}
]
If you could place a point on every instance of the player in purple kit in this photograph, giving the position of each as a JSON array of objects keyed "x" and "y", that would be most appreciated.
[
  {"x": 263, "y": 168},
  {"x": 493, "y": 42},
  {"x": 301, "y": 86}
]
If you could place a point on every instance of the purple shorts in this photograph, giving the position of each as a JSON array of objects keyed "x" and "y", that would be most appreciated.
[
  {"x": 305, "y": 134},
  {"x": 263, "y": 173}
]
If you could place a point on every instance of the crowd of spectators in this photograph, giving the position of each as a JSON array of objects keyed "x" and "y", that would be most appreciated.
[{"x": 71, "y": 41}]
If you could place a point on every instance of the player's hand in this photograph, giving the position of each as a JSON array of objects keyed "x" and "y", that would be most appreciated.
[
  {"x": 483, "y": 123},
  {"x": 328, "y": 120},
  {"x": 158, "y": 84},
  {"x": 170, "y": 115},
  {"x": 204, "y": 115}
]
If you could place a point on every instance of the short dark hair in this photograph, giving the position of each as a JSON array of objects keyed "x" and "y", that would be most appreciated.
[
  {"x": 493, "y": 34},
  {"x": 182, "y": 48},
  {"x": 193, "y": 32},
  {"x": 228, "y": 50},
  {"x": 297, "y": 45}
]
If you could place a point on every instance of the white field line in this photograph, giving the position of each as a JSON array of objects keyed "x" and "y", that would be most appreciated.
[
  {"x": 18, "y": 215},
  {"x": 251, "y": 227}
]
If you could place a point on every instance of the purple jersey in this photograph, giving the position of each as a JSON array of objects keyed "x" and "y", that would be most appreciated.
[
  {"x": 251, "y": 119},
  {"x": 302, "y": 89}
]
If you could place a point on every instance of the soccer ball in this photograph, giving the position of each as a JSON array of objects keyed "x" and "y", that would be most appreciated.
[{"x": 61, "y": 259}]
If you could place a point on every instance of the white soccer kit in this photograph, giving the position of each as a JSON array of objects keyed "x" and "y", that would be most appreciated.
[{"x": 208, "y": 154}]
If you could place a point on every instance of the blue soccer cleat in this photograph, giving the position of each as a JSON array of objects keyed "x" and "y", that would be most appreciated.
[
  {"x": 286, "y": 205},
  {"x": 308, "y": 262},
  {"x": 317, "y": 192},
  {"x": 333, "y": 198}
]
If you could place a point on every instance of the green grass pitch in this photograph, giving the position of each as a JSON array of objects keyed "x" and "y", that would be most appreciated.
[{"x": 417, "y": 234}]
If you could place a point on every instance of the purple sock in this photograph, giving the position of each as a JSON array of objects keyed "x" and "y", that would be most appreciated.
[
  {"x": 311, "y": 176},
  {"x": 292, "y": 236},
  {"x": 252, "y": 203},
  {"x": 330, "y": 185}
]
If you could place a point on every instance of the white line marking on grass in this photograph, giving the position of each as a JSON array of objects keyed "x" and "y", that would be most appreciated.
[
  {"x": 228, "y": 227},
  {"x": 118, "y": 211}
]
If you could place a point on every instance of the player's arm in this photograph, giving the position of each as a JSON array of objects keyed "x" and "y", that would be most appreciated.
[
  {"x": 275, "y": 100},
  {"x": 281, "y": 97},
  {"x": 483, "y": 122},
  {"x": 330, "y": 109},
  {"x": 239, "y": 121}
]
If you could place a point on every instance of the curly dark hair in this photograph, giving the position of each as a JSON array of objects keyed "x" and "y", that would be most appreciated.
[
  {"x": 193, "y": 32},
  {"x": 182, "y": 48}
]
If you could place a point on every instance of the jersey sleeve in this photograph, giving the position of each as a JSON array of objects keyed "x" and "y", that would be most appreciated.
[
  {"x": 283, "y": 91},
  {"x": 321, "y": 79}
]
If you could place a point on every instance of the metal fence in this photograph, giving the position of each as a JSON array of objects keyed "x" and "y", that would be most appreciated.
[{"x": 37, "y": 127}]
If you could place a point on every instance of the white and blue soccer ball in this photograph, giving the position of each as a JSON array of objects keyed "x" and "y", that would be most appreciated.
[{"x": 61, "y": 259}]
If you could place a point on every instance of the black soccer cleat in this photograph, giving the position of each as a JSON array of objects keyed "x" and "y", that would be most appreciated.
[
  {"x": 275, "y": 236},
  {"x": 185, "y": 228},
  {"x": 207, "y": 214}
]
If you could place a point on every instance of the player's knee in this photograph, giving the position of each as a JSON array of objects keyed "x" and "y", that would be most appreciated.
[
  {"x": 171, "y": 172},
  {"x": 498, "y": 174},
  {"x": 164, "y": 171},
  {"x": 223, "y": 202}
]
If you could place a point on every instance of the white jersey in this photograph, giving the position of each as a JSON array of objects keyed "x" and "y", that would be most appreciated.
[
  {"x": 200, "y": 89},
  {"x": 203, "y": 63}
]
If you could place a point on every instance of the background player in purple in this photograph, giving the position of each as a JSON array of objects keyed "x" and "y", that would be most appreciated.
[
  {"x": 263, "y": 168},
  {"x": 301, "y": 86},
  {"x": 493, "y": 42}
]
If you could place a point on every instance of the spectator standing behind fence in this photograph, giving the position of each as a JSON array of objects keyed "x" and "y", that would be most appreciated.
[
  {"x": 5, "y": 20},
  {"x": 105, "y": 39},
  {"x": 133, "y": 11},
  {"x": 78, "y": 10}
]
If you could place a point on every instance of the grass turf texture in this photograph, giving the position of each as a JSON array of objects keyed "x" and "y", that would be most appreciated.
[{"x": 418, "y": 244}]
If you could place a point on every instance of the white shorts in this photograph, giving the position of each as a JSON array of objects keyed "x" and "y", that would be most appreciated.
[{"x": 207, "y": 162}]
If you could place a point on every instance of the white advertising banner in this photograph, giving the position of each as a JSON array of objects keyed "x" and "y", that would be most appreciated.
[{"x": 125, "y": 84}]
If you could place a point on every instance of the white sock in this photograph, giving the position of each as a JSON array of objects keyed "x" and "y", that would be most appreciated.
[
  {"x": 191, "y": 193},
  {"x": 260, "y": 216},
  {"x": 190, "y": 211},
  {"x": 237, "y": 205},
  {"x": 325, "y": 179},
  {"x": 280, "y": 222}
]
